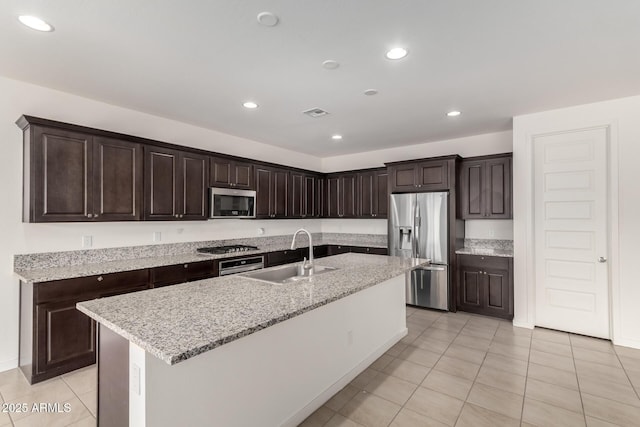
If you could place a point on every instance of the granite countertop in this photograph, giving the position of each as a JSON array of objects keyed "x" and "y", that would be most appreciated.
[
  {"x": 178, "y": 322},
  {"x": 106, "y": 267},
  {"x": 508, "y": 253}
]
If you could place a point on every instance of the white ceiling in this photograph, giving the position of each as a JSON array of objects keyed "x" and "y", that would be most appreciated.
[{"x": 197, "y": 60}]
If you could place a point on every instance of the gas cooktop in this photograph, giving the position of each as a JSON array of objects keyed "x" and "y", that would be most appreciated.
[{"x": 227, "y": 249}]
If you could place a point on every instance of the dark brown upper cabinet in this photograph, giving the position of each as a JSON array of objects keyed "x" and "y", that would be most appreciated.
[
  {"x": 429, "y": 175},
  {"x": 302, "y": 195},
  {"x": 341, "y": 195},
  {"x": 175, "y": 184},
  {"x": 485, "y": 187},
  {"x": 272, "y": 192},
  {"x": 73, "y": 176},
  {"x": 228, "y": 173},
  {"x": 373, "y": 195}
]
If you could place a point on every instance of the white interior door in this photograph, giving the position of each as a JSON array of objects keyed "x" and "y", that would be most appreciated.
[{"x": 570, "y": 190}]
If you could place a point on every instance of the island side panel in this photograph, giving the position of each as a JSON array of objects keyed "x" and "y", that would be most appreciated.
[
  {"x": 279, "y": 375},
  {"x": 113, "y": 379}
]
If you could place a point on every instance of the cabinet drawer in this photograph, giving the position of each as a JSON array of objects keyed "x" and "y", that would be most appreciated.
[
  {"x": 200, "y": 270},
  {"x": 85, "y": 288},
  {"x": 285, "y": 257},
  {"x": 484, "y": 261},
  {"x": 168, "y": 275}
]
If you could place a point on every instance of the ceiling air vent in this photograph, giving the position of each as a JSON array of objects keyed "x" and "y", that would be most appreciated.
[{"x": 315, "y": 112}]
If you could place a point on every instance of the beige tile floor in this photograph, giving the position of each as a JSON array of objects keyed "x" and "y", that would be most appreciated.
[
  {"x": 78, "y": 389},
  {"x": 450, "y": 370},
  {"x": 456, "y": 369}
]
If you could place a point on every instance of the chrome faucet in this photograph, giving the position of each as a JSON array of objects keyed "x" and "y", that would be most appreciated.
[{"x": 307, "y": 267}]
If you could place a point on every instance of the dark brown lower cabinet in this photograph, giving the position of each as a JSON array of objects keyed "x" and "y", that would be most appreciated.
[
  {"x": 285, "y": 257},
  {"x": 343, "y": 249},
  {"x": 485, "y": 285},
  {"x": 55, "y": 337}
]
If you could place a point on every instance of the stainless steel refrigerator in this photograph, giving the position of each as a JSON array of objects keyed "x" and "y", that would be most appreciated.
[{"x": 418, "y": 228}]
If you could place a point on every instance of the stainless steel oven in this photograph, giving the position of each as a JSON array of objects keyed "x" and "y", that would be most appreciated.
[
  {"x": 231, "y": 203},
  {"x": 240, "y": 265}
]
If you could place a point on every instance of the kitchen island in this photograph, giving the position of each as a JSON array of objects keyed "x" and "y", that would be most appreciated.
[{"x": 235, "y": 351}]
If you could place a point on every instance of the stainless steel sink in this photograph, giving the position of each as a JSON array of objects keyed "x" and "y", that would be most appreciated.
[{"x": 285, "y": 274}]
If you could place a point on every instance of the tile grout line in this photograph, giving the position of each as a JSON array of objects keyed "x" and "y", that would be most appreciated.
[
  {"x": 430, "y": 369},
  {"x": 62, "y": 377},
  {"x": 477, "y": 373},
  {"x": 633, "y": 387}
]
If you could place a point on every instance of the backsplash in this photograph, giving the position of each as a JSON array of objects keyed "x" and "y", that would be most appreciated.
[
  {"x": 488, "y": 244},
  {"x": 94, "y": 256}
]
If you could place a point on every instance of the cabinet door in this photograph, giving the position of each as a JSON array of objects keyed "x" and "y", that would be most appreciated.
[
  {"x": 403, "y": 177},
  {"x": 366, "y": 193},
  {"x": 498, "y": 188},
  {"x": 472, "y": 194},
  {"x": 117, "y": 184},
  {"x": 221, "y": 172},
  {"x": 66, "y": 338},
  {"x": 201, "y": 270},
  {"x": 193, "y": 186},
  {"x": 348, "y": 194},
  {"x": 320, "y": 198},
  {"x": 62, "y": 174},
  {"x": 433, "y": 175},
  {"x": 470, "y": 293},
  {"x": 497, "y": 294},
  {"x": 161, "y": 186},
  {"x": 264, "y": 186},
  {"x": 280, "y": 193},
  {"x": 380, "y": 194},
  {"x": 338, "y": 249},
  {"x": 168, "y": 275},
  {"x": 297, "y": 194},
  {"x": 333, "y": 188},
  {"x": 242, "y": 175},
  {"x": 309, "y": 197}
]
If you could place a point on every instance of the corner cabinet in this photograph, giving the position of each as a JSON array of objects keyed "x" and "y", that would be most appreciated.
[
  {"x": 175, "y": 185},
  {"x": 485, "y": 187},
  {"x": 72, "y": 176},
  {"x": 485, "y": 285}
]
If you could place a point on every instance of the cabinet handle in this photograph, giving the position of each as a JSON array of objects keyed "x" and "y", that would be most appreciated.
[
  {"x": 89, "y": 215},
  {"x": 186, "y": 266},
  {"x": 100, "y": 278},
  {"x": 181, "y": 215},
  {"x": 177, "y": 216},
  {"x": 95, "y": 215},
  {"x": 484, "y": 272}
]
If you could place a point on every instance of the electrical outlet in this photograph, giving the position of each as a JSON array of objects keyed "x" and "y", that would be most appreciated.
[
  {"x": 87, "y": 241},
  {"x": 157, "y": 236}
]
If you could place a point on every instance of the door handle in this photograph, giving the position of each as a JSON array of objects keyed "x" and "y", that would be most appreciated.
[{"x": 602, "y": 259}]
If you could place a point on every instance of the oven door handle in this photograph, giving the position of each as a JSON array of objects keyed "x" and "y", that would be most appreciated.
[{"x": 240, "y": 269}]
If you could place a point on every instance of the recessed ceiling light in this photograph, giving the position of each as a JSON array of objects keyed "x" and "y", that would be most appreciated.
[
  {"x": 371, "y": 92},
  {"x": 397, "y": 53},
  {"x": 453, "y": 113},
  {"x": 35, "y": 23},
  {"x": 336, "y": 137},
  {"x": 250, "y": 105},
  {"x": 330, "y": 64},
  {"x": 268, "y": 19}
]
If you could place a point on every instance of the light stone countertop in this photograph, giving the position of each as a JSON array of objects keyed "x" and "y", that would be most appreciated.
[
  {"x": 506, "y": 253},
  {"x": 175, "y": 323},
  {"x": 106, "y": 267}
]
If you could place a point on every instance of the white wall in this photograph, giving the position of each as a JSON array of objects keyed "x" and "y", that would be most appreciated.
[
  {"x": 621, "y": 116},
  {"x": 500, "y": 229},
  {"x": 478, "y": 145},
  {"x": 21, "y": 98}
]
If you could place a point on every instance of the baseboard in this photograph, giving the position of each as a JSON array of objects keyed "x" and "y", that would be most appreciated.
[
  {"x": 523, "y": 325},
  {"x": 8, "y": 365},
  {"x": 312, "y": 406},
  {"x": 623, "y": 342}
]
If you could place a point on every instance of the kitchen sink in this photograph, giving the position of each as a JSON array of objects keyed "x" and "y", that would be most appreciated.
[{"x": 285, "y": 274}]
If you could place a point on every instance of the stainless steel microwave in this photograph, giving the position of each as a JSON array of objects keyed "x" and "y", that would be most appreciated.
[{"x": 231, "y": 203}]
